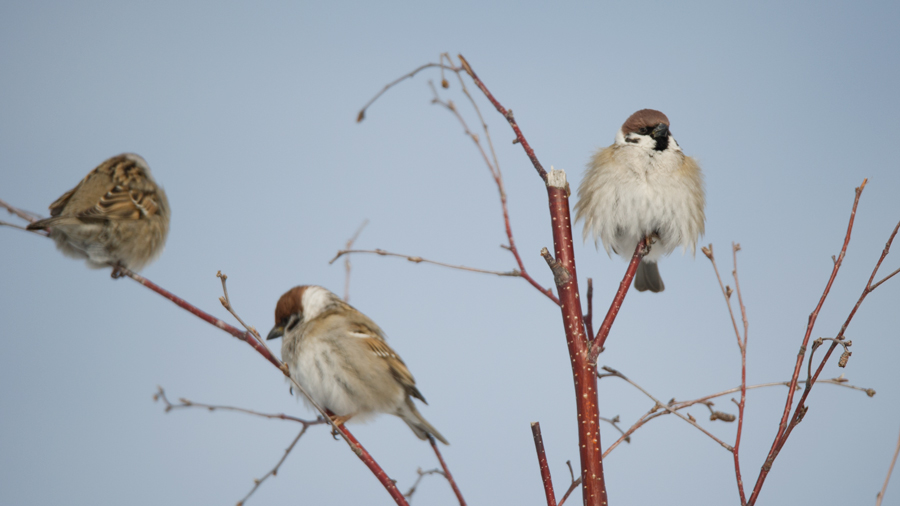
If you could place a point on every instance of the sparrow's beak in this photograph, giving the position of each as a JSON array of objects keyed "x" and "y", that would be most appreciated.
[
  {"x": 661, "y": 130},
  {"x": 276, "y": 332}
]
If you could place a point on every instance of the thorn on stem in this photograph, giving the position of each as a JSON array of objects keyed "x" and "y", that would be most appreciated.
[{"x": 516, "y": 140}]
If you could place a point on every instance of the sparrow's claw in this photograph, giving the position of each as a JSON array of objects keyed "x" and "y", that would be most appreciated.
[
  {"x": 338, "y": 421},
  {"x": 117, "y": 271}
]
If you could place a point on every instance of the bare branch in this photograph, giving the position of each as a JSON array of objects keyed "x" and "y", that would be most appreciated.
[
  {"x": 160, "y": 395},
  {"x": 660, "y": 405},
  {"x": 21, "y": 213},
  {"x": 415, "y": 485},
  {"x": 419, "y": 260},
  {"x": 642, "y": 249},
  {"x": 783, "y": 429},
  {"x": 226, "y": 303},
  {"x": 572, "y": 486},
  {"x": 446, "y": 473},
  {"x": 274, "y": 471},
  {"x": 888, "y": 477},
  {"x": 348, "y": 247},
  {"x": 362, "y": 112}
]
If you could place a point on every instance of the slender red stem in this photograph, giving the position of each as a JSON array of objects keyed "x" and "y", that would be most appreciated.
[
  {"x": 624, "y": 285},
  {"x": 736, "y": 449},
  {"x": 542, "y": 462},
  {"x": 520, "y": 139},
  {"x": 459, "y": 497}
]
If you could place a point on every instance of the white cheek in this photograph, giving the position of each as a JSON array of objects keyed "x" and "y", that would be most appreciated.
[{"x": 315, "y": 300}]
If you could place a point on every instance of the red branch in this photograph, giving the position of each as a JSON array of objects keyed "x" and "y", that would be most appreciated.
[
  {"x": 783, "y": 429},
  {"x": 262, "y": 350},
  {"x": 520, "y": 139},
  {"x": 606, "y": 326},
  {"x": 542, "y": 463},
  {"x": 593, "y": 483},
  {"x": 459, "y": 497},
  {"x": 736, "y": 450}
]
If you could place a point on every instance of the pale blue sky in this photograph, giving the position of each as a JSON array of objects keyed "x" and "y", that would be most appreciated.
[{"x": 246, "y": 115}]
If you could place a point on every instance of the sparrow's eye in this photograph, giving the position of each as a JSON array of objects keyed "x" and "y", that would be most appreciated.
[
  {"x": 294, "y": 320},
  {"x": 644, "y": 131}
]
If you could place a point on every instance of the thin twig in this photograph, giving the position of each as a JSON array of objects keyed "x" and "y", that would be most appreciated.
[
  {"x": 20, "y": 227},
  {"x": 735, "y": 247},
  {"x": 888, "y": 477},
  {"x": 642, "y": 248},
  {"x": 226, "y": 303},
  {"x": 21, "y": 213},
  {"x": 446, "y": 473},
  {"x": 572, "y": 486},
  {"x": 494, "y": 169},
  {"x": 348, "y": 247},
  {"x": 362, "y": 112},
  {"x": 415, "y": 485},
  {"x": 784, "y": 430},
  {"x": 274, "y": 471},
  {"x": 419, "y": 260},
  {"x": 160, "y": 395},
  {"x": 614, "y": 421},
  {"x": 679, "y": 405},
  {"x": 661, "y": 405}
]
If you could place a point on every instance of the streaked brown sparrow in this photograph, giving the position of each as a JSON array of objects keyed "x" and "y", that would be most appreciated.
[
  {"x": 116, "y": 216},
  {"x": 643, "y": 186},
  {"x": 341, "y": 359}
]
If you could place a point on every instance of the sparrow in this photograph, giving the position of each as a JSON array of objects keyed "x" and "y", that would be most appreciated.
[
  {"x": 116, "y": 216},
  {"x": 643, "y": 185},
  {"x": 342, "y": 360}
]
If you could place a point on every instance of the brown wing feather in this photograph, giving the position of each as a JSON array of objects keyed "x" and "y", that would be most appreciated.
[
  {"x": 398, "y": 368},
  {"x": 121, "y": 203},
  {"x": 59, "y": 204}
]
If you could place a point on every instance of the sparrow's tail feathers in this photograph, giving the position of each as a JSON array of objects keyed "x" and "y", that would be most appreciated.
[
  {"x": 53, "y": 222},
  {"x": 647, "y": 278},
  {"x": 417, "y": 423}
]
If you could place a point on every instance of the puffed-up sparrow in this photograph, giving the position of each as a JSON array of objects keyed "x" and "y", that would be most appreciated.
[
  {"x": 641, "y": 186},
  {"x": 340, "y": 357},
  {"x": 116, "y": 216}
]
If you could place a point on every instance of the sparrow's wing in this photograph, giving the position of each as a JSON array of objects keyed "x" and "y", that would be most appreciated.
[
  {"x": 59, "y": 204},
  {"x": 375, "y": 342},
  {"x": 122, "y": 203}
]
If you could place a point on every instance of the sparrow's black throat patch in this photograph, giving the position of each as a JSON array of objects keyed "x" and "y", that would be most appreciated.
[{"x": 662, "y": 143}]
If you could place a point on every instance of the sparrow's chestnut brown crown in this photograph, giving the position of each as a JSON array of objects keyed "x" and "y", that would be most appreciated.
[
  {"x": 647, "y": 121},
  {"x": 289, "y": 303}
]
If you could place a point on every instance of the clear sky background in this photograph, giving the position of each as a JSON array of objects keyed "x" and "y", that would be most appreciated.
[{"x": 246, "y": 114}]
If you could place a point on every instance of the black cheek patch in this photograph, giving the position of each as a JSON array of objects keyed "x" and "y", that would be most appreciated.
[{"x": 629, "y": 139}]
